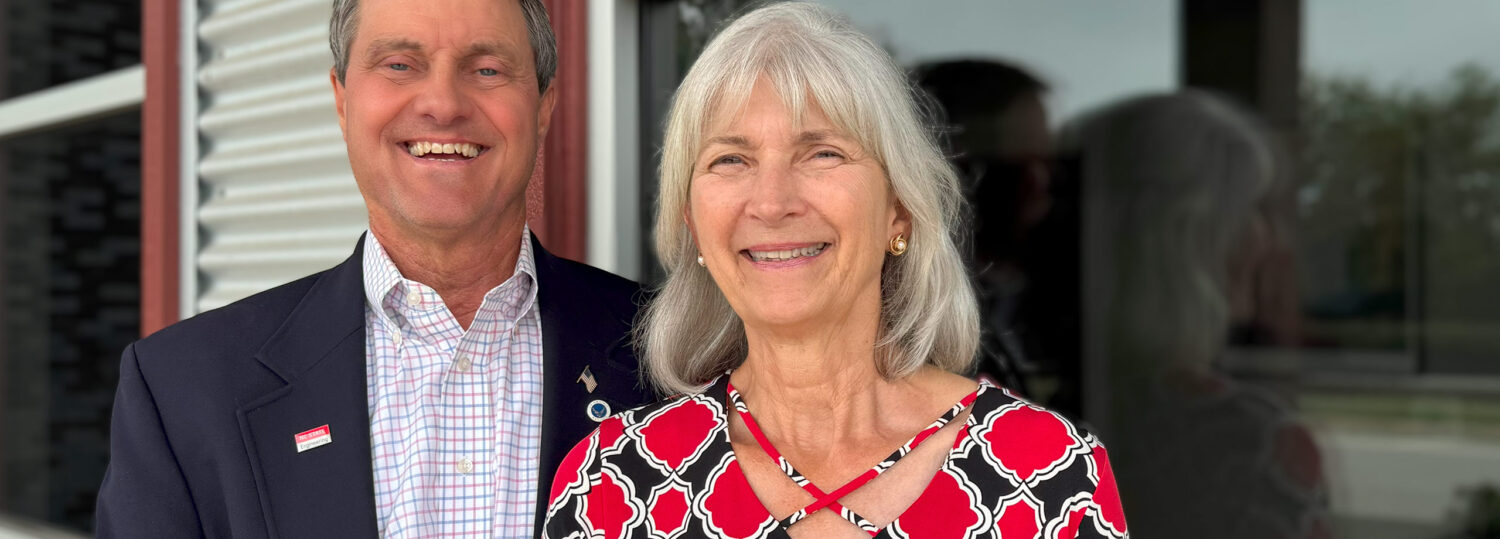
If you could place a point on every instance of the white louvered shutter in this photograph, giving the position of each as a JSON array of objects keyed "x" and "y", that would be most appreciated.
[{"x": 277, "y": 198}]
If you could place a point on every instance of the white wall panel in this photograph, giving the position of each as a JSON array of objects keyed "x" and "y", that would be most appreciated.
[
  {"x": 614, "y": 235},
  {"x": 276, "y": 198}
]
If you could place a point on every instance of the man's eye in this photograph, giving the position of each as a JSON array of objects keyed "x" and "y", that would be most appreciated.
[
  {"x": 488, "y": 72},
  {"x": 399, "y": 67}
]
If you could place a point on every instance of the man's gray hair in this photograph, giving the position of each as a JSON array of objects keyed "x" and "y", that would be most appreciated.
[
  {"x": 345, "y": 20},
  {"x": 813, "y": 58}
]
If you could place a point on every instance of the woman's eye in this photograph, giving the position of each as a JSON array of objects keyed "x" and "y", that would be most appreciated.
[
  {"x": 828, "y": 154},
  {"x": 729, "y": 160}
]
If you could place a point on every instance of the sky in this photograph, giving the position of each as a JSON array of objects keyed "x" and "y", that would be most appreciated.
[{"x": 1404, "y": 42}]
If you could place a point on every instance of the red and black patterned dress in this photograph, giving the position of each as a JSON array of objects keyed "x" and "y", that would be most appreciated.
[{"x": 668, "y": 471}]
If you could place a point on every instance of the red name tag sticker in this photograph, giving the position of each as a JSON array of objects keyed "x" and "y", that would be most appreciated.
[{"x": 313, "y": 438}]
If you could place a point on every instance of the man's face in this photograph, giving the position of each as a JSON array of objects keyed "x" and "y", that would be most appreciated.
[{"x": 441, "y": 114}]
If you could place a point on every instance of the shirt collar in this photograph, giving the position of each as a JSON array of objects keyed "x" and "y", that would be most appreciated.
[{"x": 382, "y": 279}]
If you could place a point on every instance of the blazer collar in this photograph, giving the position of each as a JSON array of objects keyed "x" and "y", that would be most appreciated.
[{"x": 332, "y": 308}]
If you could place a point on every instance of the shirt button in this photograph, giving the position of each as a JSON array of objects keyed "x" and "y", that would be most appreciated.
[
  {"x": 414, "y": 299},
  {"x": 396, "y": 338},
  {"x": 465, "y": 466},
  {"x": 463, "y": 364}
]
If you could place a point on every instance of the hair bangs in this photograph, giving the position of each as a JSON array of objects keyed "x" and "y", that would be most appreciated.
[{"x": 805, "y": 72}]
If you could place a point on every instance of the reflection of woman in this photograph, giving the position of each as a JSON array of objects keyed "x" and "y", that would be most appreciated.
[
  {"x": 1174, "y": 220},
  {"x": 814, "y": 314}
]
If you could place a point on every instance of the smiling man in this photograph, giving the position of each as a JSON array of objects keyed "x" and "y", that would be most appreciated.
[{"x": 428, "y": 385}]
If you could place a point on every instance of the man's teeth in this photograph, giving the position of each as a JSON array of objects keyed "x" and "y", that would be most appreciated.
[
  {"x": 419, "y": 149},
  {"x": 777, "y": 256}
]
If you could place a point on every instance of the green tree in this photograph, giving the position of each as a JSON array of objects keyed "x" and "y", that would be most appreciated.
[{"x": 1400, "y": 198}]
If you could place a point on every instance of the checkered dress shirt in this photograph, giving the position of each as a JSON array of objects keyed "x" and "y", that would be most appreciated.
[{"x": 455, "y": 415}]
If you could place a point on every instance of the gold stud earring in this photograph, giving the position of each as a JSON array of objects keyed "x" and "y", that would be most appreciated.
[
  {"x": 701, "y": 262},
  {"x": 898, "y": 245}
]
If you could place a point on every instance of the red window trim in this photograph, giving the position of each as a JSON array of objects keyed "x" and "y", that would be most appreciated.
[
  {"x": 563, "y": 187},
  {"x": 160, "y": 169}
]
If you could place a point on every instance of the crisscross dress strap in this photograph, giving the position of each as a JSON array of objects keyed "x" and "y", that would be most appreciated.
[{"x": 830, "y": 500}]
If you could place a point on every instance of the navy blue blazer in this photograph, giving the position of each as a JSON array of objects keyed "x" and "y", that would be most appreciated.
[{"x": 202, "y": 437}]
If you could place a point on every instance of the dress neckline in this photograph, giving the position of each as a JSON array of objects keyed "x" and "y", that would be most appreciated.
[{"x": 829, "y": 500}]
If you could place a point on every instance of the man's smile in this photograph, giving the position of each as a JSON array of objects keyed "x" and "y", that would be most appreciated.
[{"x": 444, "y": 151}]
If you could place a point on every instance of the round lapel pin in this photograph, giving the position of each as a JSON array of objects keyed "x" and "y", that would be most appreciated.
[{"x": 598, "y": 410}]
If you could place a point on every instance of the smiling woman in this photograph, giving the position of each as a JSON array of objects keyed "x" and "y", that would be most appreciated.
[
  {"x": 842, "y": 94},
  {"x": 807, "y": 225}
]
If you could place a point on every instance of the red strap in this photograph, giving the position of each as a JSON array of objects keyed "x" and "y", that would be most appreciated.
[
  {"x": 830, "y": 499},
  {"x": 760, "y": 437},
  {"x": 765, "y": 445}
]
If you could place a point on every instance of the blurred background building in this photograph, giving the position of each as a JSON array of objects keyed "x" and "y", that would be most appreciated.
[{"x": 166, "y": 157}]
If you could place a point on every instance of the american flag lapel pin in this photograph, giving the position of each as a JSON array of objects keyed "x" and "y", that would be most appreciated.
[
  {"x": 587, "y": 378},
  {"x": 317, "y": 437}
]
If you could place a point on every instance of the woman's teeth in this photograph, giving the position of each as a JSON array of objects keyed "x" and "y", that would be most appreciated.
[{"x": 778, "y": 256}]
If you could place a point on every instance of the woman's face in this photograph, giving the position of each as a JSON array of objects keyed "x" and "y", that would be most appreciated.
[{"x": 793, "y": 221}]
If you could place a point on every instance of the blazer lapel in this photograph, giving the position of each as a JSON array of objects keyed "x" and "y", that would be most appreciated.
[
  {"x": 577, "y": 336},
  {"x": 328, "y": 490}
]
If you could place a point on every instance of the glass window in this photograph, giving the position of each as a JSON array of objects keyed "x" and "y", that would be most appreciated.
[
  {"x": 71, "y": 299},
  {"x": 69, "y": 260},
  {"x": 1088, "y": 53},
  {"x": 45, "y": 43},
  {"x": 1399, "y": 201}
]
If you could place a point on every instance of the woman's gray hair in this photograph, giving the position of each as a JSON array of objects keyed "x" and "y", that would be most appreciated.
[
  {"x": 345, "y": 22},
  {"x": 812, "y": 57}
]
